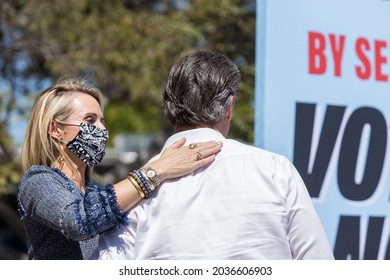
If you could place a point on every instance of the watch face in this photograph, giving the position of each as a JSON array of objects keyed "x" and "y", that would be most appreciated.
[{"x": 151, "y": 173}]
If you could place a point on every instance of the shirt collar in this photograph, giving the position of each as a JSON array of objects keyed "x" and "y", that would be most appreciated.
[{"x": 195, "y": 136}]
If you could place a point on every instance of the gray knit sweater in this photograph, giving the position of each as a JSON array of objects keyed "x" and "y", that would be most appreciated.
[{"x": 60, "y": 221}]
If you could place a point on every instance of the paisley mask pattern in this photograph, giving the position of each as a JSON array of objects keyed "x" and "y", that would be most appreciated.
[{"x": 89, "y": 144}]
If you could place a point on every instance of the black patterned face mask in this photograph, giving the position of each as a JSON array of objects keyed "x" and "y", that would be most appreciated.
[{"x": 89, "y": 144}]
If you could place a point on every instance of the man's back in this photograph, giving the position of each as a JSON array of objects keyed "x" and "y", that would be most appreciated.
[{"x": 248, "y": 204}]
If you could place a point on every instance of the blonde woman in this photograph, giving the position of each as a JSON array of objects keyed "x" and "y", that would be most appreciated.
[{"x": 62, "y": 210}]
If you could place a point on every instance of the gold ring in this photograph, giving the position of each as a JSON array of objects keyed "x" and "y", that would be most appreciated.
[
  {"x": 192, "y": 146},
  {"x": 199, "y": 156}
]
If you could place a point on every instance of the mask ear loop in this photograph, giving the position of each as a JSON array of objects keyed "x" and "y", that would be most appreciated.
[
  {"x": 60, "y": 158},
  {"x": 63, "y": 123}
]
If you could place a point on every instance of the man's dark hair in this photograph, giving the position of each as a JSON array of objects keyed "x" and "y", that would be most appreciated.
[{"x": 198, "y": 88}]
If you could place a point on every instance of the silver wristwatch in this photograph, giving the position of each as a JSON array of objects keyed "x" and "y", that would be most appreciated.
[{"x": 152, "y": 175}]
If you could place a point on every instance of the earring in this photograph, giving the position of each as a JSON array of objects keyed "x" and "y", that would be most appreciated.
[{"x": 61, "y": 161}]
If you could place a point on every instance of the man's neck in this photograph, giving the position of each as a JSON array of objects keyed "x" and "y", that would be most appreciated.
[
  {"x": 184, "y": 128},
  {"x": 221, "y": 127}
]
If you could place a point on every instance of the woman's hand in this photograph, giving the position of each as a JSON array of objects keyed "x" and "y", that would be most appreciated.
[{"x": 178, "y": 160}]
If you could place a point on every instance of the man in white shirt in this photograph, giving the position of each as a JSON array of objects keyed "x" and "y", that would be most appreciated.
[{"x": 248, "y": 204}]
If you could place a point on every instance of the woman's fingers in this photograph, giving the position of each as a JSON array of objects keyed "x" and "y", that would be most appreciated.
[
  {"x": 206, "y": 152},
  {"x": 200, "y": 146},
  {"x": 178, "y": 160}
]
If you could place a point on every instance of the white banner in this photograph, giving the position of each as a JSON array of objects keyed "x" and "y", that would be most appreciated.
[{"x": 323, "y": 100}]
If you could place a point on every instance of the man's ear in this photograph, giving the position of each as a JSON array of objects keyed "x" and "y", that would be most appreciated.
[
  {"x": 54, "y": 131},
  {"x": 229, "y": 111}
]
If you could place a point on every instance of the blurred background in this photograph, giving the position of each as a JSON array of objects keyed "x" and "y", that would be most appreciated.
[{"x": 126, "y": 48}]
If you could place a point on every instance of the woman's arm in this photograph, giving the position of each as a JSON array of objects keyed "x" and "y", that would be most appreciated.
[
  {"x": 49, "y": 198},
  {"x": 174, "y": 162}
]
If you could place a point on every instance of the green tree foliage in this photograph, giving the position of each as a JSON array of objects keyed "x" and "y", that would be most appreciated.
[
  {"x": 126, "y": 47},
  {"x": 228, "y": 26}
]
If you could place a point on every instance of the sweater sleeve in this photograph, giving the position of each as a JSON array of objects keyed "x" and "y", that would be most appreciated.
[
  {"x": 50, "y": 199},
  {"x": 101, "y": 209}
]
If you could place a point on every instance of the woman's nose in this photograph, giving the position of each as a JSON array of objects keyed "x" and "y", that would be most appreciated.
[{"x": 100, "y": 125}]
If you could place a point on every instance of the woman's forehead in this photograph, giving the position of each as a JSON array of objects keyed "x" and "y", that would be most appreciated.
[{"x": 85, "y": 103}]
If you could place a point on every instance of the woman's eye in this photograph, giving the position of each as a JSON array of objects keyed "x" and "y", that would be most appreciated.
[{"x": 90, "y": 120}]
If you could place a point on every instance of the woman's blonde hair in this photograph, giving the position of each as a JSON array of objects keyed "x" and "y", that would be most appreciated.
[{"x": 53, "y": 104}]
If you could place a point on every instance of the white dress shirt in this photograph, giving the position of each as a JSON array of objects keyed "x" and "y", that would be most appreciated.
[{"x": 248, "y": 204}]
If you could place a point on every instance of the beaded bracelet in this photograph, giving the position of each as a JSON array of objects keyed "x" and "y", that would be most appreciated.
[
  {"x": 143, "y": 181},
  {"x": 140, "y": 184}
]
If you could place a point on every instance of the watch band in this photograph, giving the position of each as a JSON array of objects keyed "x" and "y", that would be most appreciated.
[{"x": 152, "y": 175}]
